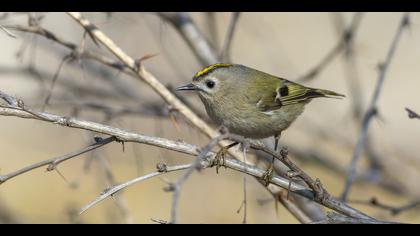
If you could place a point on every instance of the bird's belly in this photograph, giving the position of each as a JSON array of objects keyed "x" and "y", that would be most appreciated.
[
  {"x": 253, "y": 123},
  {"x": 261, "y": 126}
]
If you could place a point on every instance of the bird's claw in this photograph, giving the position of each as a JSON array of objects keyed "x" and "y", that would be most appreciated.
[
  {"x": 219, "y": 159},
  {"x": 268, "y": 175}
]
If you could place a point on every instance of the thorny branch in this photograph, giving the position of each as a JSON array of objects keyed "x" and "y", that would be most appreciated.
[
  {"x": 372, "y": 109},
  {"x": 180, "y": 146}
]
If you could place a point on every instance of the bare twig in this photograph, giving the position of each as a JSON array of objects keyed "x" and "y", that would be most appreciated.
[
  {"x": 225, "y": 51},
  {"x": 144, "y": 75},
  {"x": 54, "y": 162},
  {"x": 189, "y": 31},
  {"x": 371, "y": 111},
  {"x": 412, "y": 114},
  {"x": 334, "y": 218},
  {"x": 291, "y": 206},
  {"x": 76, "y": 51},
  {"x": 56, "y": 75},
  {"x": 392, "y": 209},
  {"x": 7, "y": 32},
  {"x": 346, "y": 39},
  {"x": 176, "y": 187},
  {"x": 114, "y": 189}
]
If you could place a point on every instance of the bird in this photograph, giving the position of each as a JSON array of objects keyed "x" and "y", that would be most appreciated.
[{"x": 249, "y": 102}]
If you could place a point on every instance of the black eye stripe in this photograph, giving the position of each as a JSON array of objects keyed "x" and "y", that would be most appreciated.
[{"x": 284, "y": 91}]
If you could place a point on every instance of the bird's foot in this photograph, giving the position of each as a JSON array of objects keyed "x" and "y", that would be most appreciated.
[
  {"x": 268, "y": 174},
  {"x": 219, "y": 160}
]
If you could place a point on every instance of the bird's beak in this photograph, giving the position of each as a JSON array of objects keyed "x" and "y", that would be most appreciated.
[{"x": 186, "y": 87}]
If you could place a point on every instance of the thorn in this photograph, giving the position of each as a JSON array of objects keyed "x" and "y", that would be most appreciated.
[{"x": 139, "y": 62}]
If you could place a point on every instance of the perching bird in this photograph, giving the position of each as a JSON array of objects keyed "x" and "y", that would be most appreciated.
[{"x": 249, "y": 102}]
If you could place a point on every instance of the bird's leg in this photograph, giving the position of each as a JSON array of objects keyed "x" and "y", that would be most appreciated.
[
  {"x": 268, "y": 175},
  {"x": 219, "y": 160}
]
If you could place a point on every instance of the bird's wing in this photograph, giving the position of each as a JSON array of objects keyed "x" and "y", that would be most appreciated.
[{"x": 286, "y": 93}]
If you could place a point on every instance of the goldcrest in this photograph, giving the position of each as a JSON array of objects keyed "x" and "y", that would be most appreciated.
[{"x": 249, "y": 102}]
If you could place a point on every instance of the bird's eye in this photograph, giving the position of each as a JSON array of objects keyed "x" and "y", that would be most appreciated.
[{"x": 210, "y": 83}]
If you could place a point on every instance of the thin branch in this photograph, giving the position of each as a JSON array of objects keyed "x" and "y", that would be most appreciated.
[
  {"x": 145, "y": 76},
  {"x": 412, "y": 114},
  {"x": 345, "y": 40},
  {"x": 114, "y": 189},
  {"x": 392, "y": 209},
  {"x": 76, "y": 51},
  {"x": 176, "y": 187},
  {"x": 291, "y": 206},
  {"x": 55, "y": 77},
  {"x": 334, "y": 218},
  {"x": 8, "y": 32},
  {"x": 54, "y": 162},
  {"x": 225, "y": 52},
  {"x": 182, "y": 22},
  {"x": 371, "y": 111}
]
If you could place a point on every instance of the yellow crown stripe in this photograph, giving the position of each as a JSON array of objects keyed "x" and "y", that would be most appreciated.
[{"x": 211, "y": 67}]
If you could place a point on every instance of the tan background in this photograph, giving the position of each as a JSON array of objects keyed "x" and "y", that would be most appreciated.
[{"x": 285, "y": 44}]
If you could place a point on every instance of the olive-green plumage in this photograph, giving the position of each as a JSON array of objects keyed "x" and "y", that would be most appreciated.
[{"x": 249, "y": 102}]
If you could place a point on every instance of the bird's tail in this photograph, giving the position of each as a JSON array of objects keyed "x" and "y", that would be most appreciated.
[
  {"x": 300, "y": 94},
  {"x": 325, "y": 93}
]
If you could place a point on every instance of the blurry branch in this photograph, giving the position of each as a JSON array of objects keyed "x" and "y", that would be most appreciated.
[
  {"x": 203, "y": 50},
  {"x": 356, "y": 91},
  {"x": 392, "y": 209},
  {"x": 291, "y": 206},
  {"x": 141, "y": 72},
  {"x": 334, "y": 218},
  {"x": 343, "y": 43},
  {"x": 412, "y": 114},
  {"x": 110, "y": 179},
  {"x": 7, "y": 32},
  {"x": 136, "y": 67},
  {"x": 16, "y": 108},
  {"x": 7, "y": 216},
  {"x": 116, "y": 188},
  {"x": 225, "y": 51},
  {"x": 152, "y": 109},
  {"x": 183, "y": 23},
  {"x": 171, "y": 17},
  {"x": 372, "y": 109},
  {"x": 56, "y": 75},
  {"x": 212, "y": 28},
  {"x": 54, "y": 162},
  {"x": 176, "y": 187},
  {"x": 77, "y": 52}
]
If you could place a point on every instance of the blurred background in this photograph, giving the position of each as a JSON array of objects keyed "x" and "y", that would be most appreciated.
[{"x": 289, "y": 45}]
